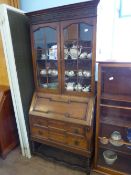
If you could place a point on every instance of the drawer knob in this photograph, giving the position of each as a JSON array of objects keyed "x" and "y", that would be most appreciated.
[
  {"x": 76, "y": 142},
  {"x": 39, "y": 123},
  {"x": 40, "y": 132}
]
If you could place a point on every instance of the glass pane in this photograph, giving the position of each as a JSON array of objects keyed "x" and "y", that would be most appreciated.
[
  {"x": 46, "y": 57},
  {"x": 78, "y": 57},
  {"x": 113, "y": 78}
]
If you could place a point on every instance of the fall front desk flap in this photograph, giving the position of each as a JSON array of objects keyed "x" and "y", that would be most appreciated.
[{"x": 61, "y": 107}]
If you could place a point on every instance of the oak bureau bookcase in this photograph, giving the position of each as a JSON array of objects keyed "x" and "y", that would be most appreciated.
[{"x": 64, "y": 49}]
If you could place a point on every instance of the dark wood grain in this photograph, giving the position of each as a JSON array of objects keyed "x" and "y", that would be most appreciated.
[
  {"x": 8, "y": 130},
  {"x": 67, "y": 12}
]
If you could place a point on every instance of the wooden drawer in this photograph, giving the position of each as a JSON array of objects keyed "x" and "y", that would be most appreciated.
[
  {"x": 78, "y": 142},
  {"x": 71, "y": 128},
  {"x": 38, "y": 121},
  {"x": 54, "y": 124},
  {"x": 75, "y": 129},
  {"x": 57, "y": 136},
  {"x": 39, "y": 132}
]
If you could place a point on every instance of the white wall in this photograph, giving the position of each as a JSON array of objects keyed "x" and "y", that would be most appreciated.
[
  {"x": 105, "y": 29},
  {"x": 33, "y": 5},
  {"x": 122, "y": 39}
]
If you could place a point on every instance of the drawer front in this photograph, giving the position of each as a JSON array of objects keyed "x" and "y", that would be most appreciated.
[
  {"x": 77, "y": 142},
  {"x": 39, "y": 132},
  {"x": 38, "y": 121},
  {"x": 72, "y": 135},
  {"x": 56, "y": 124},
  {"x": 71, "y": 128},
  {"x": 75, "y": 129},
  {"x": 57, "y": 136}
]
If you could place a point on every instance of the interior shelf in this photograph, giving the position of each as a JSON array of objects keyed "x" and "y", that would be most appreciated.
[
  {"x": 78, "y": 59},
  {"x": 116, "y": 121},
  {"x": 43, "y": 60},
  {"x": 115, "y": 106},
  {"x": 48, "y": 76},
  {"x": 122, "y": 149},
  {"x": 115, "y": 97}
]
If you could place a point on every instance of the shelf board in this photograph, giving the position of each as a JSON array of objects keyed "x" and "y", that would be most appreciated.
[
  {"x": 116, "y": 121},
  {"x": 43, "y": 60},
  {"x": 122, "y": 149},
  {"x": 116, "y": 107},
  {"x": 36, "y": 49},
  {"x": 114, "y": 97},
  {"x": 78, "y": 59},
  {"x": 48, "y": 76},
  {"x": 79, "y": 77}
]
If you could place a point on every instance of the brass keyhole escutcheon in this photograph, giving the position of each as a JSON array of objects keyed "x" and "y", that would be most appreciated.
[
  {"x": 40, "y": 132},
  {"x": 76, "y": 142}
]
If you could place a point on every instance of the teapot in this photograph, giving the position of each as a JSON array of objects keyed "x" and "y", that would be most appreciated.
[
  {"x": 44, "y": 85},
  {"x": 43, "y": 72},
  {"x": 53, "y": 52},
  {"x": 54, "y": 72},
  {"x": 80, "y": 73},
  {"x": 83, "y": 55},
  {"x": 116, "y": 139},
  {"x": 78, "y": 87},
  {"x": 43, "y": 57},
  {"x": 71, "y": 73},
  {"x": 70, "y": 86},
  {"x": 49, "y": 71},
  {"x": 86, "y": 89},
  {"x": 89, "y": 55},
  {"x": 74, "y": 52},
  {"x": 86, "y": 73},
  {"x": 66, "y": 53}
]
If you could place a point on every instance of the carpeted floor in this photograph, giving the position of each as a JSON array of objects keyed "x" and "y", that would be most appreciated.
[{"x": 16, "y": 164}]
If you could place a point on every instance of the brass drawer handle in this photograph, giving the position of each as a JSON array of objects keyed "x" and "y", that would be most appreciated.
[{"x": 76, "y": 143}]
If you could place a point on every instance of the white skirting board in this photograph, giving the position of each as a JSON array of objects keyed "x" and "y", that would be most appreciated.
[{"x": 13, "y": 79}]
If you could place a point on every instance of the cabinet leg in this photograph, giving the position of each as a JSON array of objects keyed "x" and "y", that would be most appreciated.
[
  {"x": 88, "y": 166},
  {"x": 33, "y": 147}
]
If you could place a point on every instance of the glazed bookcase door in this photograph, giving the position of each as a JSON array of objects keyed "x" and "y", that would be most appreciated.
[
  {"x": 78, "y": 56},
  {"x": 114, "y": 119},
  {"x": 46, "y": 57}
]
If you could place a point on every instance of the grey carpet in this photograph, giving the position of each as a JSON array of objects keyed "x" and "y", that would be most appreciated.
[{"x": 16, "y": 164}]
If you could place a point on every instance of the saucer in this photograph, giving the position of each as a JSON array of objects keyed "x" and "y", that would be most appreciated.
[{"x": 116, "y": 142}]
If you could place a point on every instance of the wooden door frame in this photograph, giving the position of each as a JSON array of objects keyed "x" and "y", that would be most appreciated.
[
  {"x": 92, "y": 21},
  {"x": 13, "y": 79},
  {"x": 54, "y": 25}
]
